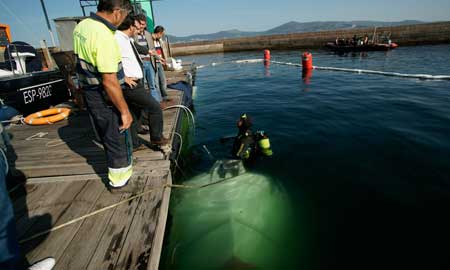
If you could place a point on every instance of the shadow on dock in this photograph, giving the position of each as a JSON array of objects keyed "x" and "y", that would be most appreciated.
[
  {"x": 80, "y": 138},
  {"x": 25, "y": 224}
]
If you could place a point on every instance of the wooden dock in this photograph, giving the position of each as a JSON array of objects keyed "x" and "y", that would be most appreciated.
[{"x": 65, "y": 171}]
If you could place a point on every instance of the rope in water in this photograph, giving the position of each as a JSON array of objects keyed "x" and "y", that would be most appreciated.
[
  {"x": 34, "y": 236},
  {"x": 392, "y": 74},
  {"x": 359, "y": 71},
  {"x": 365, "y": 71}
]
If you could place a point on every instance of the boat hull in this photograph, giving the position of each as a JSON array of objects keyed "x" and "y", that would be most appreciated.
[
  {"x": 33, "y": 92},
  {"x": 360, "y": 48},
  {"x": 240, "y": 220}
]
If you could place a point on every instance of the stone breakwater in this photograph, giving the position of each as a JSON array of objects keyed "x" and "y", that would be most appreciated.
[{"x": 406, "y": 35}]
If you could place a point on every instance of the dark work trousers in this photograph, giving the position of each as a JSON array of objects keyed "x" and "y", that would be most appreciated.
[
  {"x": 139, "y": 100},
  {"x": 9, "y": 246},
  {"x": 107, "y": 122},
  {"x": 161, "y": 76}
]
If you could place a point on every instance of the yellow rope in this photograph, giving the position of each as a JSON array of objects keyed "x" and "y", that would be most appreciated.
[
  {"x": 89, "y": 215},
  {"x": 113, "y": 206}
]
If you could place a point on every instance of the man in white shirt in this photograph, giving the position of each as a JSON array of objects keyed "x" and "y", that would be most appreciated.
[{"x": 133, "y": 89}]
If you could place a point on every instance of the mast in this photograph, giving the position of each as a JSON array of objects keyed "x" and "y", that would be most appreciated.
[
  {"x": 146, "y": 6},
  {"x": 48, "y": 23}
]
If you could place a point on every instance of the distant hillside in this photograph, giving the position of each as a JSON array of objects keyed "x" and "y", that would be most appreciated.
[
  {"x": 219, "y": 35},
  {"x": 291, "y": 27}
]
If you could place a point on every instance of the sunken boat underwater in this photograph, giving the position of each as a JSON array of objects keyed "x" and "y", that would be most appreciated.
[
  {"x": 237, "y": 220},
  {"x": 25, "y": 86}
]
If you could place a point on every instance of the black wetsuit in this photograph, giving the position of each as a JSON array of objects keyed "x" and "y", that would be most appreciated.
[{"x": 244, "y": 145}]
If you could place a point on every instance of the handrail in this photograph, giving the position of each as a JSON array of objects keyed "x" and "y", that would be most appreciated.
[
  {"x": 8, "y": 49},
  {"x": 9, "y": 57}
]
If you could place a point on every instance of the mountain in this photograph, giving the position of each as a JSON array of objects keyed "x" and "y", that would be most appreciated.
[
  {"x": 292, "y": 27},
  {"x": 219, "y": 35}
]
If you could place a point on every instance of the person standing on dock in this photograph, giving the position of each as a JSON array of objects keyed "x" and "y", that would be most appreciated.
[
  {"x": 142, "y": 39},
  {"x": 10, "y": 255},
  {"x": 157, "y": 45},
  {"x": 133, "y": 87},
  {"x": 100, "y": 73}
]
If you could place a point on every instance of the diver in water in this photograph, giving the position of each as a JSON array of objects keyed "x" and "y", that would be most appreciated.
[{"x": 248, "y": 145}]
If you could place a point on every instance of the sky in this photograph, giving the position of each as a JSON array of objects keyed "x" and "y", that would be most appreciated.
[{"x": 187, "y": 17}]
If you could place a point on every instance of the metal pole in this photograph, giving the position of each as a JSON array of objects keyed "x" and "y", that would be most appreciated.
[
  {"x": 153, "y": 15},
  {"x": 48, "y": 23},
  {"x": 134, "y": 6},
  {"x": 82, "y": 8}
]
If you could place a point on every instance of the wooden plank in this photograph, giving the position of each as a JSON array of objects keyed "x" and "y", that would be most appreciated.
[
  {"x": 81, "y": 249},
  {"x": 70, "y": 169},
  {"x": 135, "y": 252},
  {"x": 56, "y": 242},
  {"x": 67, "y": 159},
  {"x": 111, "y": 242},
  {"x": 42, "y": 207},
  {"x": 158, "y": 239},
  {"x": 25, "y": 195},
  {"x": 43, "y": 145},
  {"x": 138, "y": 163},
  {"x": 58, "y": 153},
  {"x": 100, "y": 167},
  {"x": 154, "y": 168}
]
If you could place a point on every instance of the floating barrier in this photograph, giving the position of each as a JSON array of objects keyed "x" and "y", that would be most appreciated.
[
  {"x": 247, "y": 61},
  {"x": 365, "y": 71},
  {"x": 392, "y": 74},
  {"x": 307, "y": 65}
]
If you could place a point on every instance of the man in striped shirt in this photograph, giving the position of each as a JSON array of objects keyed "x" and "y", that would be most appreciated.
[{"x": 147, "y": 56}]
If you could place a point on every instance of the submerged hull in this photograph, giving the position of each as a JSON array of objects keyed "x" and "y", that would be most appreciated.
[
  {"x": 33, "y": 92},
  {"x": 360, "y": 48},
  {"x": 241, "y": 222}
]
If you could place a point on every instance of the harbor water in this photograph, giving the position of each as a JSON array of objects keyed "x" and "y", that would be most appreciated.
[{"x": 359, "y": 178}]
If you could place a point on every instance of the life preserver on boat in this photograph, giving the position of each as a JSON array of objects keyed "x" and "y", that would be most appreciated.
[{"x": 47, "y": 117}]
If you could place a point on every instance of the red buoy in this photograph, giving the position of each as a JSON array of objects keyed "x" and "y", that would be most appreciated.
[
  {"x": 266, "y": 55},
  {"x": 307, "y": 61},
  {"x": 307, "y": 75}
]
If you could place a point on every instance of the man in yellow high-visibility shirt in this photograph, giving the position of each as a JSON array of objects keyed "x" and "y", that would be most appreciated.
[{"x": 100, "y": 74}]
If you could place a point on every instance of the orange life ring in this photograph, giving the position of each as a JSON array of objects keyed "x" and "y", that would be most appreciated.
[{"x": 47, "y": 117}]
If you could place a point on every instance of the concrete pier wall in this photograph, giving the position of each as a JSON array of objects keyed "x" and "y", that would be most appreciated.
[{"x": 407, "y": 35}]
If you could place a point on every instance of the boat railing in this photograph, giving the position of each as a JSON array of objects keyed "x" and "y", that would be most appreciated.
[
  {"x": 10, "y": 60},
  {"x": 12, "y": 48}
]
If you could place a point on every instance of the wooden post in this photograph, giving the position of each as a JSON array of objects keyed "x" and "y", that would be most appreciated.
[{"x": 49, "y": 62}]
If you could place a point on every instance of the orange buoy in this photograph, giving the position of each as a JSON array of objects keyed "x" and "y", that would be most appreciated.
[
  {"x": 47, "y": 117},
  {"x": 307, "y": 61},
  {"x": 266, "y": 55},
  {"x": 306, "y": 75}
]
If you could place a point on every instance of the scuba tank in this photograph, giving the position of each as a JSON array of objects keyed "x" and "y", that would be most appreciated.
[
  {"x": 263, "y": 143},
  {"x": 247, "y": 145}
]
